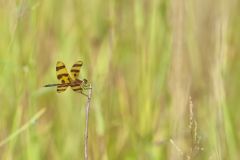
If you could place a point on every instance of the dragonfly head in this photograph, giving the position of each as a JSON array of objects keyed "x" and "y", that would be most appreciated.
[{"x": 85, "y": 83}]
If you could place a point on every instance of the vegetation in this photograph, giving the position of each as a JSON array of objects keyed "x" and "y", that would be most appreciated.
[{"x": 165, "y": 77}]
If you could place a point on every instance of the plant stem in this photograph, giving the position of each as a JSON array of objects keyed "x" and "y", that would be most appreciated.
[{"x": 86, "y": 125}]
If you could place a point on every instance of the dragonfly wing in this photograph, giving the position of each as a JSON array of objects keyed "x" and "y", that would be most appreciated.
[
  {"x": 76, "y": 86},
  {"x": 62, "y": 76},
  {"x": 75, "y": 70},
  {"x": 62, "y": 87}
]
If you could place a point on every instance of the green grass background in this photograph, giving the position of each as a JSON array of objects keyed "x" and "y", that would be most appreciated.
[{"x": 144, "y": 58}]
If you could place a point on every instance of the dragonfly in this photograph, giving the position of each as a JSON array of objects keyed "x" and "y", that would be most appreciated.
[{"x": 66, "y": 80}]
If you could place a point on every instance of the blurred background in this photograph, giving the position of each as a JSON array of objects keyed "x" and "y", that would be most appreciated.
[{"x": 165, "y": 77}]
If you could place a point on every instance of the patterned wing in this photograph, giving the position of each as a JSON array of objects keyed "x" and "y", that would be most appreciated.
[
  {"x": 76, "y": 85},
  {"x": 75, "y": 70},
  {"x": 62, "y": 76}
]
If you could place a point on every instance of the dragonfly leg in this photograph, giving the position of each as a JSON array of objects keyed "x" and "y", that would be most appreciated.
[
  {"x": 86, "y": 88},
  {"x": 83, "y": 93}
]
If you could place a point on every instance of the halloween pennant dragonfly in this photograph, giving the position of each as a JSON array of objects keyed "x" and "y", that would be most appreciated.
[{"x": 66, "y": 80}]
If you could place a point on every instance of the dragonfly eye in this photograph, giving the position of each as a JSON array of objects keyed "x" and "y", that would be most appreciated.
[{"x": 85, "y": 81}]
